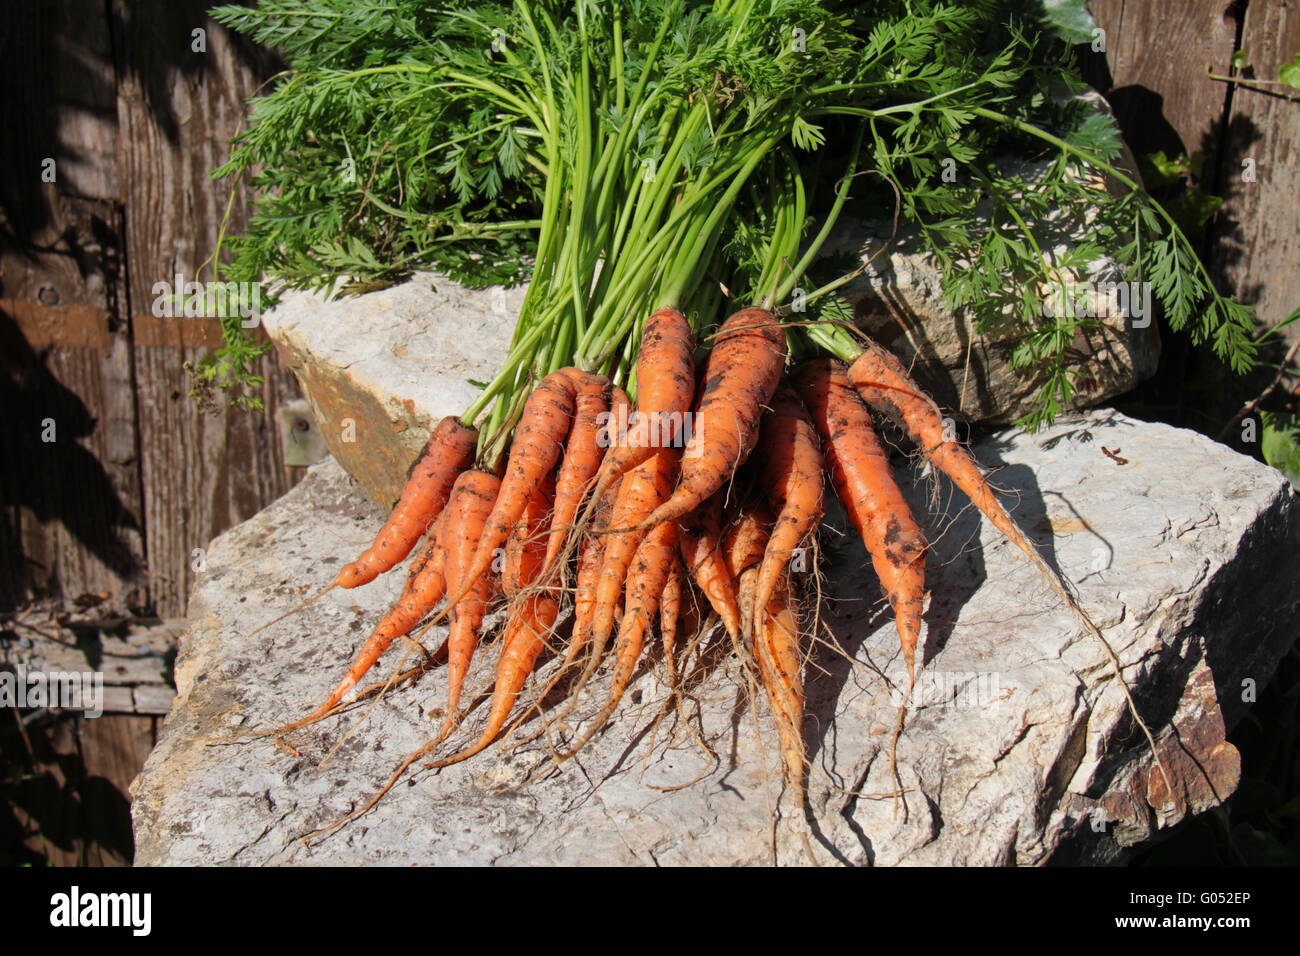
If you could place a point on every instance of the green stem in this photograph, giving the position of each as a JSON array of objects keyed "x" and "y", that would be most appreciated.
[{"x": 832, "y": 217}]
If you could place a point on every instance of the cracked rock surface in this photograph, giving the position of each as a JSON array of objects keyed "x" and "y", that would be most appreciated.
[{"x": 1017, "y": 746}]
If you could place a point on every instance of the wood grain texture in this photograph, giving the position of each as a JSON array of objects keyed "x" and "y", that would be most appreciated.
[
  {"x": 58, "y": 214},
  {"x": 1257, "y": 251},
  {"x": 135, "y": 108},
  {"x": 75, "y": 499},
  {"x": 73, "y": 806},
  {"x": 113, "y": 749},
  {"x": 71, "y": 505},
  {"x": 1157, "y": 54},
  {"x": 181, "y": 97}
]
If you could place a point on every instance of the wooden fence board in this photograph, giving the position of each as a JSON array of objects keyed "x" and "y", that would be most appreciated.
[
  {"x": 1157, "y": 54},
  {"x": 135, "y": 116},
  {"x": 1256, "y": 249},
  {"x": 178, "y": 107},
  {"x": 72, "y": 505},
  {"x": 74, "y": 796}
]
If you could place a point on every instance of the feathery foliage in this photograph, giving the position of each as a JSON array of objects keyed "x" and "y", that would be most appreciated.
[{"x": 624, "y": 155}]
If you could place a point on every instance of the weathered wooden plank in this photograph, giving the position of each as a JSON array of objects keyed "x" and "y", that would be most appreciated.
[
  {"x": 1257, "y": 249},
  {"x": 114, "y": 748},
  {"x": 75, "y": 798},
  {"x": 76, "y": 521},
  {"x": 56, "y": 70},
  {"x": 85, "y": 326},
  {"x": 72, "y": 505},
  {"x": 183, "y": 87},
  {"x": 118, "y": 700},
  {"x": 152, "y": 699},
  {"x": 1157, "y": 54},
  {"x": 44, "y": 803},
  {"x": 70, "y": 483},
  {"x": 1156, "y": 59}
]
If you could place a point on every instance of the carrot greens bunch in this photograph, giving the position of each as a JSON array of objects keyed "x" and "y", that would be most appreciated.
[{"x": 623, "y": 156}]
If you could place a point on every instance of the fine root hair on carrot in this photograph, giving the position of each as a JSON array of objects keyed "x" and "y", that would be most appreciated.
[
  {"x": 641, "y": 489},
  {"x": 679, "y": 694},
  {"x": 647, "y": 577},
  {"x": 530, "y": 623},
  {"x": 305, "y": 839},
  {"x": 518, "y": 655},
  {"x": 863, "y": 479},
  {"x": 378, "y": 691},
  {"x": 400, "y": 676}
]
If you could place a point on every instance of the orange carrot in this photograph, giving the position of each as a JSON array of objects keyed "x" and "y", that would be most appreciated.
[
  {"x": 741, "y": 377},
  {"x": 424, "y": 589},
  {"x": 885, "y": 386},
  {"x": 865, "y": 485},
  {"x": 449, "y": 451},
  {"x": 665, "y": 378},
  {"x": 881, "y": 380},
  {"x": 536, "y": 447},
  {"x": 743, "y": 549},
  {"x": 778, "y": 656},
  {"x": 701, "y": 546},
  {"x": 790, "y": 458},
  {"x": 584, "y": 603},
  {"x": 526, "y": 540},
  {"x": 582, "y": 456},
  {"x": 526, "y": 635},
  {"x": 472, "y": 500},
  {"x": 426, "y": 554},
  {"x": 746, "y": 538},
  {"x": 642, "y": 488},
  {"x": 584, "y": 598},
  {"x": 646, "y": 579},
  {"x": 670, "y": 609},
  {"x": 529, "y": 625}
]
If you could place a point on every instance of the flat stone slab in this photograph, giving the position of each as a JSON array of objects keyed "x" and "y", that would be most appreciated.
[
  {"x": 1017, "y": 747},
  {"x": 380, "y": 370}
]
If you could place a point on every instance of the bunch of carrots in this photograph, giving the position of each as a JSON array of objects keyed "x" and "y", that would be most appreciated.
[
  {"x": 624, "y": 515},
  {"x": 571, "y": 489}
]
